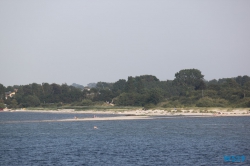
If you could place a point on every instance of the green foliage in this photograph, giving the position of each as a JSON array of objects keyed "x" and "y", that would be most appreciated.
[
  {"x": 9, "y": 88},
  {"x": 130, "y": 99},
  {"x": 245, "y": 102},
  {"x": 188, "y": 89},
  {"x": 211, "y": 93},
  {"x": 77, "y": 86},
  {"x": 86, "y": 102},
  {"x": 149, "y": 106},
  {"x": 31, "y": 101},
  {"x": 13, "y": 104},
  {"x": 130, "y": 85},
  {"x": 104, "y": 95},
  {"x": 154, "y": 96},
  {"x": 2, "y": 90},
  {"x": 104, "y": 85},
  {"x": 2, "y": 106},
  {"x": 148, "y": 78},
  {"x": 119, "y": 86},
  {"x": 242, "y": 80},
  {"x": 189, "y": 77},
  {"x": 209, "y": 102}
]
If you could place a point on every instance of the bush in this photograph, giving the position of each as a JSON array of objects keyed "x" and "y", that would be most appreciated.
[
  {"x": 149, "y": 106},
  {"x": 245, "y": 102},
  {"x": 31, "y": 101},
  {"x": 86, "y": 102},
  {"x": 2, "y": 106},
  {"x": 209, "y": 102}
]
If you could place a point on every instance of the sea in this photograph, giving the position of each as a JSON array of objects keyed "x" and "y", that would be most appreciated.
[{"x": 27, "y": 139}]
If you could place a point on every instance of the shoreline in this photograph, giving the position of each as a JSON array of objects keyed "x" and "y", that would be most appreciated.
[
  {"x": 130, "y": 115},
  {"x": 214, "y": 112}
]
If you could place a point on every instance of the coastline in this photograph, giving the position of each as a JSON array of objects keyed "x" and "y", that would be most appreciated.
[
  {"x": 213, "y": 112},
  {"x": 134, "y": 114}
]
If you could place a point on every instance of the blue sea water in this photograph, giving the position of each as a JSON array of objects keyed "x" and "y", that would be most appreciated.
[{"x": 25, "y": 140}]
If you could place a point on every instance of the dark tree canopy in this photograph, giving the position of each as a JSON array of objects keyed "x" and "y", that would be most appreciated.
[
  {"x": 119, "y": 86},
  {"x": 188, "y": 77},
  {"x": 187, "y": 89}
]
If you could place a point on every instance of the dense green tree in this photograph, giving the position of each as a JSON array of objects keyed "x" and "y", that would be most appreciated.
[
  {"x": 66, "y": 89},
  {"x": 200, "y": 85},
  {"x": 148, "y": 78},
  {"x": 36, "y": 89},
  {"x": 129, "y": 99},
  {"x": 47, "y": 89},
  {"x": 149, "y": 81},
  {"x": 188, "y": 77},
  {"x": 9, "y": 89},
  {"x": 86, "y": 102},
  {"x": 31, "y": 101},
  {"x": 27, "y": 90},
  {"x": 231, "y": 83},
  {"x": 103, "y": 85},
  {"x": 222, "y": 80},
  {"x": 2, "y": 106},
  {"x": 187, "y": 89},
  {"x": 56, "y": 89},
  {"x": 130, "y": 85},
  {"x": 245, "y": 79},
  {"x": 213, "y": 81},
  {"x": 104, "y": 95},
  {"x": 2, "y": 90},
  {"x": 139, "y": 85},
  {"x": 215, "y": 87},
  {"x": 209, "y": 102},
  {"x": 119, "y": 86},
  {"x": 155, "y": 96},
  {"x": 76, "y": 86},
  {"x": 7, "y": 101},
  {"x": 13, "y": 104}
]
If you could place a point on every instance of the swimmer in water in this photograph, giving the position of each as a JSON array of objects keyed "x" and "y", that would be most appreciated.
[{"x": 95, "y": 127}]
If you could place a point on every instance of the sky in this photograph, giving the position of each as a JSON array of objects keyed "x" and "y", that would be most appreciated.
[{"x": 85, "y": 41}]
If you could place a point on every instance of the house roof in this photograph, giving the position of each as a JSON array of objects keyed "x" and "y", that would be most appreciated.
[{"x": 7, "y": 93}]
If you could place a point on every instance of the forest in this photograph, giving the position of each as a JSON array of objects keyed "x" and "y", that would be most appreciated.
[{"x": 188, "y": 89}]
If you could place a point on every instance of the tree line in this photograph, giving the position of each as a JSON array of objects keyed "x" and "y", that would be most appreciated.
[{"x": 188, "y": 89}]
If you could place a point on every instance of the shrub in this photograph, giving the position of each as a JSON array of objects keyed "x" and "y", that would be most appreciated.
[
  {"x": 245, "y": 102},
  {"x": 149, "y": 106},
  {"x": 31, "y": 101},
  {"x": 2, "y": 106},
  {"x": 209, "y": 102},
  {"x": 86, "y": 102}
]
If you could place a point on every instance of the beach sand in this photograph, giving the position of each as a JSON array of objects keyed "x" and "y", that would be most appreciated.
[{"x": 149, "y": 114}]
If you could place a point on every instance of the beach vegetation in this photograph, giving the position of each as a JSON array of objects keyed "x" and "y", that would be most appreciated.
[
  {"x": 2, "y": 106},
  {"x": 187, "y": 90}
]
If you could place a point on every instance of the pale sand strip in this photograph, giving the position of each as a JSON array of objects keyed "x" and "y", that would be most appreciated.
[
  {"x": 101, "y": 119},
  {"x": 109, "y": 118},
  {"x": 133, "y": 115},
  {"x": 140, "y": 112},
  {"x": 84, "y": 119}
]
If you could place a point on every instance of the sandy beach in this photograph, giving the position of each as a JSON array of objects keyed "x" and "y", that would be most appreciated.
[{"x": 146, "y": 114}]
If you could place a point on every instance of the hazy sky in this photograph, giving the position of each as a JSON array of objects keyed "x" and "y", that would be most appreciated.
[{"x": 84, "y": 41}]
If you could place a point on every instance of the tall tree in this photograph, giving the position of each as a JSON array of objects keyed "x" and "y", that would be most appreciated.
[
  {"x": 130, "y": 85},
  {"x": 188, "y": 77},
  {"x": 2, "y": 90},
  {"x": 119, "y": 86}
]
